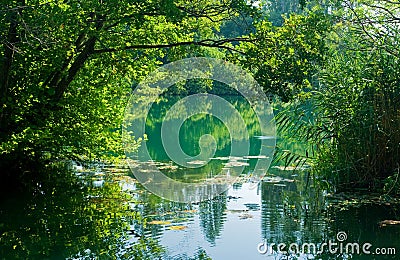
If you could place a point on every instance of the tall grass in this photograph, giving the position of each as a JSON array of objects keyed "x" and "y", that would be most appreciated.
[{"x": 352, "y": 120}]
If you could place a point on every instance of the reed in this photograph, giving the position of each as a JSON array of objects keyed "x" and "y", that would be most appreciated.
[{"x": 352, "y": 122}]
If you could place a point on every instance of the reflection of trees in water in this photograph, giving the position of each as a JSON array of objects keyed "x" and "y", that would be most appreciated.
[
  {"x": 211, "y": 214},
  {"x": 361, "y": 220},
  {"x": 155, "y": 208},
  {"x": 147, "y": 204},
  {"x": 291, "y": 216},
  {"x": 297, "y": 214},
  {"x": 199, "y": 125},
  {"x": 200, "y": 254},
  {"x": 64, "y": 218},
  {"x": 212, "y": 217}
]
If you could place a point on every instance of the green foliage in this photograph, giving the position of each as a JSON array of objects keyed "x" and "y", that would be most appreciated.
[
  {"x": 276, "y": 10},
  {"x": 392, "y": 183},
  {"x": 297, "y": 137},
  {"x": 362, "y": 107},
  {"x": 67, "y": 68},
  {"x": 354, "y": 124},
  {"x": 284, "y": 59}
]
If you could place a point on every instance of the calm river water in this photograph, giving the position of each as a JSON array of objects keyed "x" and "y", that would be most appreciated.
[{"x": 102, "y": 212}]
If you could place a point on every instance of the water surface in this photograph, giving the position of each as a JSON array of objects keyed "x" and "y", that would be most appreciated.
[{"x": 102, "y": 212}]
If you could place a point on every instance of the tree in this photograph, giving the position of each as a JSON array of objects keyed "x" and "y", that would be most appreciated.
[
  {"x": 277, "y": 9},
  {"x": 285, "y": 58},
  {"x": 67, "y": 68},
  {"x": 377, "y": 21}
]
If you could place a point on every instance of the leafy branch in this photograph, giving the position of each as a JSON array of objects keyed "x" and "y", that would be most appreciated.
[{"x": 205, "y": 43}]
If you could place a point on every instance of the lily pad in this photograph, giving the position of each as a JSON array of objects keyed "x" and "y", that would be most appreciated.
[
  {"x": 159, "y": 222},
  {"x": 197, "y": 162},
  {"x": 256, "y": 157},
  {"x": 178, "y": 227},
  {"x": 384, "y": 223},
  {"x": 283, "y": 168},
  {"x": 235, "y": 164},
  {"x": 220, "y": 158}
]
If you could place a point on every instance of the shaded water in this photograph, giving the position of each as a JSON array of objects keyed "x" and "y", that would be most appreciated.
[{"x": 104, "y": 213}]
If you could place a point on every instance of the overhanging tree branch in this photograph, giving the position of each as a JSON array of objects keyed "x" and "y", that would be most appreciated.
[
  {"x": 205, "y": 43},
  {"x": 75, "y": 67},
  {"x": 369, "y": 34}
]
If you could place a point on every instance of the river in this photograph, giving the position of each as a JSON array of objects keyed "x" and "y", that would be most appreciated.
[{"x": 103, "y": 212}]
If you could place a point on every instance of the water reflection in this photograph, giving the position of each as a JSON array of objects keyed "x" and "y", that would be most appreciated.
[
  {"x": 232, "y": 225},
  {"x": 68, "y": 217},
  {"x": 283, "y": 208},
  {"x": 212, "y": 216},
  {"x": 188, "y": 139}
]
